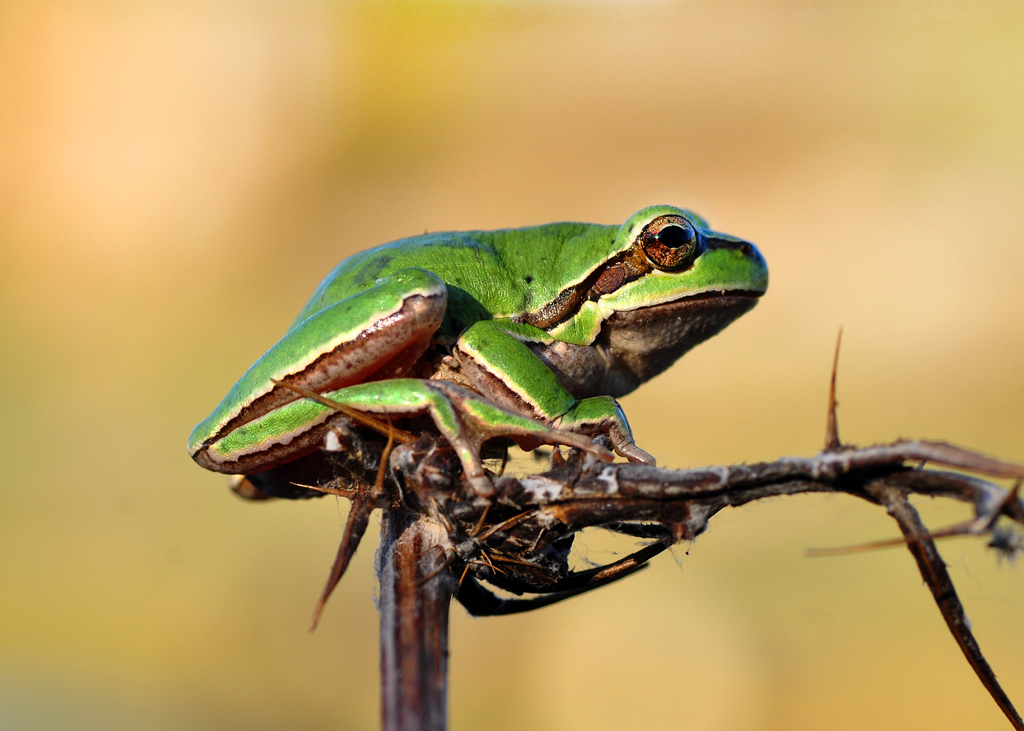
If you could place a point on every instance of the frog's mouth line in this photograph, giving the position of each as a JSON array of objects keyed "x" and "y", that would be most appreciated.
[{"x": 716, "y": 294}]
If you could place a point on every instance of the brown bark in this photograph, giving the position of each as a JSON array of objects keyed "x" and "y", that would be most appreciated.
[{"x": 414, "y": 602}]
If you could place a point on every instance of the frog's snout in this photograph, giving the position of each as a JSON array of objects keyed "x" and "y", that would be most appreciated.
[
  {"x": 753, "y": 254},
  {"x": 752, "y": 267}
]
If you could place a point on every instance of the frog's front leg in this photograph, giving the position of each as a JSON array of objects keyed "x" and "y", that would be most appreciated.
[{"x": 494, "y": 356}]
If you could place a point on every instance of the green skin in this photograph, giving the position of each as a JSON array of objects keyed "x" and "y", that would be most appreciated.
[{"x": 527, "y": 333}]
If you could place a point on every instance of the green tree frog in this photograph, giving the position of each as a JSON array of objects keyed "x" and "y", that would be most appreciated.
[{"x": 527, "y": 333}]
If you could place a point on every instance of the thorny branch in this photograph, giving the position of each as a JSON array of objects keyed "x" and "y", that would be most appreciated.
[
  {"x": 683, "y": 501},
  {"x": 519, "y": 540},
  {"x": 933, "y": 569}
]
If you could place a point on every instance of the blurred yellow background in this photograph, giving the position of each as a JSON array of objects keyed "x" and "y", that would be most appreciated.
[{"x": 175, "y": 178}]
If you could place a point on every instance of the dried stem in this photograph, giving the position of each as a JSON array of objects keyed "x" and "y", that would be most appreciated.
[
  {"x": 414, "y": 602},
  {"x": 933, "y": 570}
]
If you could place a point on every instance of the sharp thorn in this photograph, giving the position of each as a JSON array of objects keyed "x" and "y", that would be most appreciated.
[{"x": 832, "y": 442}]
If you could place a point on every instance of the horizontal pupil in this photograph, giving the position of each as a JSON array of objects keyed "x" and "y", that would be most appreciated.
[{"x": 674, "y": 236}]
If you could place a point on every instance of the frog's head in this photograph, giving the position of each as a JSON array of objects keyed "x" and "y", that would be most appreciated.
[{"x": 672, "y": 284}]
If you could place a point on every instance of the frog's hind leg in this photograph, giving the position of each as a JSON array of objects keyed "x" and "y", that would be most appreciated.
[{"x": 374, "y": 334}]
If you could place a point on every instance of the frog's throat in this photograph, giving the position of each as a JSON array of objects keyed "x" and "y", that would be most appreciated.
[{"x": 639, "y": 344}]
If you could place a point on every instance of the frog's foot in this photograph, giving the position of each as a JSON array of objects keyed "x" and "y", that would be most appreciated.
[
  {"x": 603, "y": 415},
  {"x": 465, "y": 419}
]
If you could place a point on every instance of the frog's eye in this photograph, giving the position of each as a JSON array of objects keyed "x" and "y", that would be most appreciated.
[{"x": 670, "y": 243}]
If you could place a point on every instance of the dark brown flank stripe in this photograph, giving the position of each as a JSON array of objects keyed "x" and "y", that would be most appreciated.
[
  {"x": 382, "y": 331},
  {"x": 620, "y": 269}
]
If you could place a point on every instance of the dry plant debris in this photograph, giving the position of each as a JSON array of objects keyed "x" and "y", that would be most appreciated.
[{"x": 442, "y": 540}]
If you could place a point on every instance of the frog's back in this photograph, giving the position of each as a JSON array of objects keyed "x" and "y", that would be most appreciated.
[{"x": 488, "y": 273}]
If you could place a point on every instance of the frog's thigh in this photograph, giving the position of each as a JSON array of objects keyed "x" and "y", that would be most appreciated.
[
  {"x": 374, "y": 334},
  {"x": 505, "y": 370}
]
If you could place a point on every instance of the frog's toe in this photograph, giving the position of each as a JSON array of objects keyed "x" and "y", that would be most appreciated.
[{"x": 634, "y": 454}]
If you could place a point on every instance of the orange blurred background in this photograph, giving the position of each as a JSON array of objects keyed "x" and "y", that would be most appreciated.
[{"x": 175, "y": 178}]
